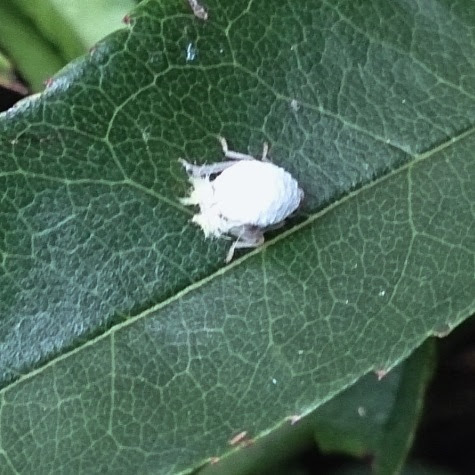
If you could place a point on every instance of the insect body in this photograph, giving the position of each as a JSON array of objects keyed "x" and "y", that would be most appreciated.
[{"x": 247, "y": 198}]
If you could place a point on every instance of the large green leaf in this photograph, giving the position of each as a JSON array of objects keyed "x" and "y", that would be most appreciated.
[
  {"x": 73, "y": 25},
  {"x": 8, "y": 79},
  {"x": 34, "y": 57},
  {"x": 43, "y": 36},
  {"x": 124, "y": 340}
]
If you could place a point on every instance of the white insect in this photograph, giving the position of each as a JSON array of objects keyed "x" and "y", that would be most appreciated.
[{"x": 247, "y": 198}]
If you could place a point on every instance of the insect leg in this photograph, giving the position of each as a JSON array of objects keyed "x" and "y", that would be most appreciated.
[
  {"x": 233, "y": 155},
  {"x": 205, "y": 170},
  {"x": 242, "y": 156},
  {"x": 246, "y": 238}
]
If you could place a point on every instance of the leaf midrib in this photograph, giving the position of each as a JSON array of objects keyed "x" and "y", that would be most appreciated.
[{"x": 202, "y": 282}]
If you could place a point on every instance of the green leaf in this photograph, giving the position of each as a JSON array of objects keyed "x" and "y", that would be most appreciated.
[
  {"x": 7, "y": 77},
  {"x": 75, "y": 25},
  {"x": 410, "y": 469},
  {"x": 5, "y": 66},
  {"x": 126, "y": 343},
  {"x": 43, "y": 36},
  {"x": 378, "y": 418},
  {"x": 33, "y": 56}
]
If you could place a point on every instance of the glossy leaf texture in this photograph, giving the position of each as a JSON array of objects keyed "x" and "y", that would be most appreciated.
[{"x": 125, "y": 342}]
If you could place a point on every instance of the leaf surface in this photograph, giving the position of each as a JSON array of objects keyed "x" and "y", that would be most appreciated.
[{"x": 124, "y": 340}]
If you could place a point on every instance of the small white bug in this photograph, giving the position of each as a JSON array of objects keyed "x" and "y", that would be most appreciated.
[{"x": 247, "y": 198}]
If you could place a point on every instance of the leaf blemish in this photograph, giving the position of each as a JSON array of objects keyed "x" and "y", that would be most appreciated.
[
  {"x": 238, "y": 438},
  {"x": 293, "y": 419},
  {"x": 381, "y": 373},
  {"x": 127, "y": 20}
]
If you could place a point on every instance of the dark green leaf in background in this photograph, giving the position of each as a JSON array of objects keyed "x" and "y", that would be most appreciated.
[
  {"x": 378, "y": 418},
  {"x": 125, "y": 343},
  {"x": 374, "y": 420}
]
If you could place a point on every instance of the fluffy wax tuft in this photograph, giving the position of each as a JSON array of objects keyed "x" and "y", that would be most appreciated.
[
  {"x": 201, "y": 194},
  {"x": 209, "y": 222}
]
